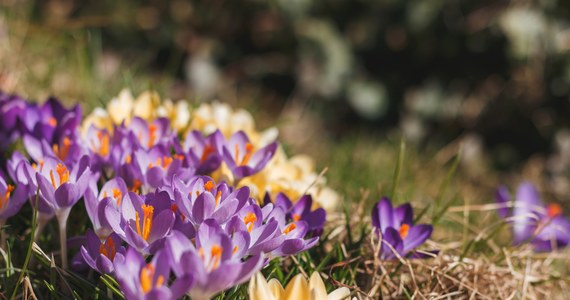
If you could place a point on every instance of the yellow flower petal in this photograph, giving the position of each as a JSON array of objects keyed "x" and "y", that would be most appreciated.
[
  {"x": 146, "y": 105},
  {"x": 121, "y": 107},
  {"x": 259, "y": 289},
  {"x": 298, "y": 289},
  {"x": 276, "y": 289},
  {"x": 317, "y": 286}
]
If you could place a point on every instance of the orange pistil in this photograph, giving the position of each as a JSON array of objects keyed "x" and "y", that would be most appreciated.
[
  {"x": 146, "y": 276},
  {"x": 235, "y": 250},
  {"x": 148, "y": 211},
  {"x": 209, "y": 186},
  {"x": 180, "y": 157},
  {"x": 63, "y": 151},
  {"x": 404, "y": 230},
  {"x": 249, "y": 220},
  {"x": 246, "y": 157},
  {"x": 108, "y": 249},
  {"x": 553, "y": 210},
  {"x": 52, "y": 122},
  {"x": 209, "y": 149},
  {"x": 289, "y": 228},
  {"x": 151, "y": 134},
  {"x": 216, "y": 256},
  {"x": 4, "y": 200},
  {"x": 128, "y": 159}
]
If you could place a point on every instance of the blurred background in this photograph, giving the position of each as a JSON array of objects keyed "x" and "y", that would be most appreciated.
[{"x": 343, "y": 79}]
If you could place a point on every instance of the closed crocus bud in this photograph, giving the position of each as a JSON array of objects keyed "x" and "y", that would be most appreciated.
[
  {"x": 146, "y": 105},
  {"x": 297, "y": 289},
  {"x": 120, "y": 108},
  {"x": 259, "y": 289}
]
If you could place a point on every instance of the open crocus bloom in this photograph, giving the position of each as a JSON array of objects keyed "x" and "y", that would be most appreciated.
[
  {"x": 301, "y": 210},
  {"x": 99, "y": 255},
  {"x": 203, "y": 151},
  {"x": 242, "y": 158},
  {"x": 111, "y": 193},
  {"x": 141, "y": 280},
  {"x": 216, "y": 261},
  {"x": 297, "y": 289},
  {"x": 399, "y": 234},
  {"x": 141, "y": 223},
  {"x": 541, "y": 225}
]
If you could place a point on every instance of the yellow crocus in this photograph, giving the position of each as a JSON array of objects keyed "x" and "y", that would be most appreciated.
[{"x": 297, "y": 289}]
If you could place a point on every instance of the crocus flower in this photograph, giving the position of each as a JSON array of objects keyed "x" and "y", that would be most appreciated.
[
  {"x": 214, "y": 260},
  {"x": 60, "y": 188},
  {"x": 203, "y": 199},
  {"x": 541, "y": 225},
  {"x": 11, "y": 109},
  {"x": 141, "y": 280},
  {"x": 111, "y": 193},
  {"x": 67, "y": 150},
  {"x": 397, "y": 229},
  {"x": 294, "y": 233},
  {"x": 242, "y": 158},
  {"x": 301, "y": 210},
  {"x": 51, "y": 121},
  {"x": 99, "y": 255},
  {"x": 203, "y": 151},
  {"x": 142, "y": 223},
  {"x": 11, "y": 201},
  {"x": 149, "y": 134},
  {"x": 297, "y": 289}
]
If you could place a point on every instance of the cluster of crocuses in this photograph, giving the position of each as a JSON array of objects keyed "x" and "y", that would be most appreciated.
[{"x": 161, "y": 226}]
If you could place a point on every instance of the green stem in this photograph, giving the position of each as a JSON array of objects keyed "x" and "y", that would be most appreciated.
[
  {"x": 30, "y": 246},
  {"x": 62, "y": 221}
]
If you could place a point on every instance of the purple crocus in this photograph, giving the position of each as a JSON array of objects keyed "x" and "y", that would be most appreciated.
[
  {"x": 11, "y": 108},
  {"x": 203, "y": 151},
  {"x": 541, "y": 225},
  {"x": 99, "y": 255},
  {"x": 111, "y": 193},
  {"x": 12, "y": 198},
  {"x": 301, "y": 210},
  {"x": 216, "y": 260},
  {"x": 141, "y": 280},
  {"x": 203, "y": 199},
  {"x": 242, "y": 158},
  {"x": 399, "y": 234},
  {"x": 51, "y": 121},
  {"x": 294, "y": 233},
  {"x": 142, "y": 223},
  {"x": 150, "y": 134},
  {"x": 59, "y": 189}
]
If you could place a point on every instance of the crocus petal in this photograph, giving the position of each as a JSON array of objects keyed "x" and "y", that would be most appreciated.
[
  {"x": 297, "y": 288},
  {"x": 259, "y": 289},
  {"x": 524, "y": 213},
  {"x": 503, "y": 197},
  {"x": 317, "y": 286},
  {"x": 417, "y": 235}
]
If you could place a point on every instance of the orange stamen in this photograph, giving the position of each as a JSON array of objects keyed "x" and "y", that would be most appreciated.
[
  {"x": 63, "y": 174},
  {"x": 235, "y": 250},
  {"x": 118, "y": 195},
  {"x": 296, "y": 217},
  {"x": 136, "y": 186},
  {"x": 104, "y": 148},
  {"x": 404, "y": 229},
  {"x": 151, "y": 134},
  {"x": 52, "y": 179},
  {"x": 4, "y": 201},
  {"x": 64, "y": 151},
  {"x": 108, "y": 249},
  {"x": 248, "y": 154},
  {"x": 146, "y": 276},
  {"x": 249, "y": 220},
  {"x": 166, "y": 161},
  {"x": 216, "y": 254},
  {"x": 289, "y": 228},
  {"x": 553, "y": 210},
  {"x": 218, "y": 197},
  {"x": 128, "y": 159},
  {"x": 209, "y": 149},
  {"x": 52, "y": 122},
  {"x": 148, "y": 211}
]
